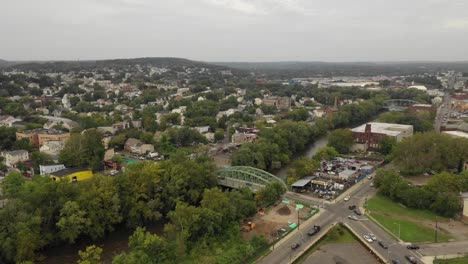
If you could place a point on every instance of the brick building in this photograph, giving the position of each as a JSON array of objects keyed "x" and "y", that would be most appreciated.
[
  {"x": 369, "y": 135},
  {"x": 37, "y": 137}
]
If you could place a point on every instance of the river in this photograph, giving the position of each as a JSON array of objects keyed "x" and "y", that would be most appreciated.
[
  {"x": 312, "y": 149},
  {"x": 114, "y": 243}
]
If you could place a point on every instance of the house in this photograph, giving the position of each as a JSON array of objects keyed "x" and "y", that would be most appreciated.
[
  {"x": 72, "y": 175},
  {"x": 142, "y": 148},
  {"x": 131, "y": 142},
  {"x": 277, "y": 101},
  {"x": 121, "y": 125},
  {"x": 240, "y": 138},
  {"x": 48, "y": 169},
  {"x": 202, "y": 129},
  {"x": 7, "y": 120},
  {"x": 137, "y": 124},
  {"x": 416, "y": 108},
  {"x": 15, "y": 156},
  {"x": 52, "y": 148}
]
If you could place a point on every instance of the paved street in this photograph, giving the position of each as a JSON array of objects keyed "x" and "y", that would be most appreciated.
[{"x": 333, "y": 213}]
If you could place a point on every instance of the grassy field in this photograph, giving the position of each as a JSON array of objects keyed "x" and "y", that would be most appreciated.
[
  {"x": 391, "y": 215},
  {"x": 462, "y": 260},
  {"x": 337, "y": 234}
]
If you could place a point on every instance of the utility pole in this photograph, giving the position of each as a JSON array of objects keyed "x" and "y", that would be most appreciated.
[
  {"x": 436, "y": 230},
  {"x": 297, "y": 219}
]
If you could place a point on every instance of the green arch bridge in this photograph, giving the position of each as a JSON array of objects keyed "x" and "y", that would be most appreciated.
[{"x": 243, "y": 176}]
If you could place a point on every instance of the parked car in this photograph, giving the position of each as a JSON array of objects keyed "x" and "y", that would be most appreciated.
[
  {"x": 353, "y": 217},
  {"x": 295, "y": 246},
  {"x": 314, "y": 230},
  {"x": 371, "y": 184},
  {"x": 395, "y": 261},
  {"x": 372, "y": 236},
  {"x": 412, "y": 247},
  {"x": 352, "y": 207},
  {"x": 113, "y": 172},
  {"x": 347, "y": 198},
  {"x": 367, "y": 238},
  {"x": 411, "y": 259},
  {"x": 382, "y": 244},
  {"x": 356, "y": 211}
]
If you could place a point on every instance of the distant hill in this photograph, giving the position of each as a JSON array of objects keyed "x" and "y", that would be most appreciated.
[
  {"x": 311, "y": 69},
  {"x": 66, "y": 66},
  {"x": 4, "y": 63}
]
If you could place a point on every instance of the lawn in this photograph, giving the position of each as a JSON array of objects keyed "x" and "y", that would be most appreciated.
[
  {"x": 462, "y": 260},
  {"x": 394, "y": 216}
]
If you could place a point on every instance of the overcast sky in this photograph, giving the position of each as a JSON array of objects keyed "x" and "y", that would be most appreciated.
[{"x": 235, "y": 30}]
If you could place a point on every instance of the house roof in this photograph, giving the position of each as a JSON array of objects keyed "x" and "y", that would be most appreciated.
[
  {"x": 66, "y": 172},
  {"x": 16, "y": 152}
]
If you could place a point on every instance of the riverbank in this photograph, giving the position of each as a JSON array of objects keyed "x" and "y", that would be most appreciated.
[{"x": 112, "y": 244}]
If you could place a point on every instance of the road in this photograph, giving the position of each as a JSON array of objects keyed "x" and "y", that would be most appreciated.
[
  {"x": 442, "y": 112},
  {"x": 331, "y": 214}
]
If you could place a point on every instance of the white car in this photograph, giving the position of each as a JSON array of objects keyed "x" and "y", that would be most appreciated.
[
  {"x": 347, "y": 198},
  {"x": 367, "y": 238},
  {"x": 113, "y": 172},
  {"x": 353, "y": 217},
  {"x": 372, "y": 236}
]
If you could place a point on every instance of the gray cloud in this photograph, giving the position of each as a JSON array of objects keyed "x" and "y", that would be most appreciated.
[{"x": 235, "y": 30}]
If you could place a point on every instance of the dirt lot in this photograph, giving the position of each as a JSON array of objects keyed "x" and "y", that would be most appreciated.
[
  {"x": 348, "y": 253},
  {"x": 275, "y": 217}
]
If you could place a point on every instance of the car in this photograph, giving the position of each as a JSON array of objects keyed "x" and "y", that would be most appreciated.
[
  {"x": 372, "y": 236},
  {"x": 412, "y": 247},
  {"x": 395, "y": 261},
  {"x": 295, "y": 246},
  {"x": 314, "y": 230},
  {"x": 411, "y": 259},
  {"x": 356, "y": 211},
  {"x": 113, "y": 172},
  {"x": 369, "y": 177},
  {"x": 352, "y": 207},
  {"x": 382, "y": 244},
  {"x": 353, "y": 217},
  {"x": 367, "y": 238},
  {"x": 347, "y": 198},
  {"x": 372, "y": 184}
]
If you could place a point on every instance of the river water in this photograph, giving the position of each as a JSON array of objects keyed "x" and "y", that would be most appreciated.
[
  {"x": 113, "y": 244},
  {"x": 311, "y": 150}
]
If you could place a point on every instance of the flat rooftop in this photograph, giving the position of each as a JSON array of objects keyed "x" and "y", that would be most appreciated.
[
  {"x": 459, "y": 134},
  {"x": 383, "y": 128},
  {"x": 44, "y": 131}
]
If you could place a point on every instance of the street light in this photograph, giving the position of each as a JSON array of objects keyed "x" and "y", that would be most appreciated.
[{"x": 399, "y": 229}]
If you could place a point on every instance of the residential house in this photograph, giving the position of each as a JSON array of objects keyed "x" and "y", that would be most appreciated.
[{"x": 15, "y": 156}]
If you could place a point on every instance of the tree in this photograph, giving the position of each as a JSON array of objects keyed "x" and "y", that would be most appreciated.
[
  {"x": 12, "y": 184},
  {"x": 270, "y": 194},
  {"x": 341, "y": 140},
  {"x": 23, "y": 144},
  {"x": 92, "y": 255},
  {"x": 72, "y": 221},
  {"x": 7, "y": 137},
  {"x": 386, "y": 145},
  {"x": 83, "y": 150},
  {"x": 300, "y": 114},
  {"x": 325, "y": 153},
  {"x": 146, "y": 248}
]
